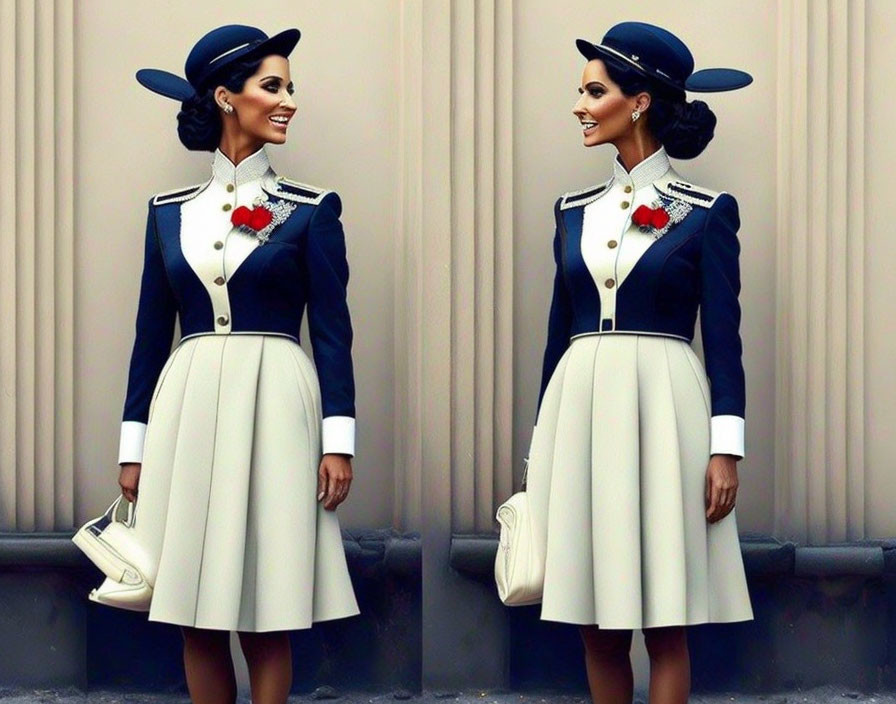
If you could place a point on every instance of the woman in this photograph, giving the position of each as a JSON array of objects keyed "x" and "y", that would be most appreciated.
[
  {"x": 632, "y": 469},
  {"x": 237, "y": 455}
]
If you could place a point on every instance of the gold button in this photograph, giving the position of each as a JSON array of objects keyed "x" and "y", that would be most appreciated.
[
  {"x": 609, "y": 283},
  {"x": 628, "y": 189},
  {"x": 219, "y": 245},
  {"x": 230, "y": 187},
  {"x": 612, "y": 244},
  {"x": 223, "y": 320},
  {"x": 220, "y": 281},
  {"x": 226, "y": 207},
  {"x": 625, "y": 204}
]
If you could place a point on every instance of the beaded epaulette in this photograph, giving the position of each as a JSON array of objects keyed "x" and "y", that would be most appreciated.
[
  {"x": 689, "y": 193},
  {"x": 578, "y": 199},
  {"x": 293, "y": 190}
]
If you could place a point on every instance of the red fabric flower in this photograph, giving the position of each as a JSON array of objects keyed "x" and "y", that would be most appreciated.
[
  {"x": 260, "y": 218},
  {"x": 240, "y": 216},
  {"x": 642, "y": 216},
  {"x": 645, "y": 216},
  {"x": 257, "y": 218},
  {"x": 659, "y": 218}
]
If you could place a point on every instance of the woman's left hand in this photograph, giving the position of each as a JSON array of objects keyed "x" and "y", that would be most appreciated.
[
  {"x": 333, "y": 480},
  {"x": 721, "y": 486}
]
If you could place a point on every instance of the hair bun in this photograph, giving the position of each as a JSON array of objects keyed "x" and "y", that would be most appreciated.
[
  {"x": 683, "y": 128},
  {"x": 198, "y": 123}
]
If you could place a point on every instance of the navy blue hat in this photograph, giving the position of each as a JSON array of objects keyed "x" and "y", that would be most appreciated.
[
  {"x": 659, "y": 54},
  {"x": 215, "y": 50}
]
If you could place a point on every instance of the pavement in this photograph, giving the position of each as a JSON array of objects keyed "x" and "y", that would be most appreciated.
[{"x": 820, "y": 695}]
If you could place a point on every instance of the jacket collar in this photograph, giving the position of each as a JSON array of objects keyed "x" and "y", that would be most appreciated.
[
  {"x": 645, "y": 173},
  {"x": 251, "y": 168}
]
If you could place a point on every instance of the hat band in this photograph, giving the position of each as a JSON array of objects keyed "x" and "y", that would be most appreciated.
[
  {"x": 229, "y": 51},
  {"x": 646, "y": 70}
]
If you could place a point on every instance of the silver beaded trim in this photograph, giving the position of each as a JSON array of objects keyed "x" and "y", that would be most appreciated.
[
  {"x": 677, "y": 210},
  {"x": 281, "y": 210}
]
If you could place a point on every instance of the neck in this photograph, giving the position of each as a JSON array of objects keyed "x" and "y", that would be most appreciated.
[
  {"x": 636, "y": 148},
  {"x": 236, "y": 145}
]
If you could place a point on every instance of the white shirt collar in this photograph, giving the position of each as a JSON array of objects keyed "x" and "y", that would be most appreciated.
[
  {"x": 251, "y": 168},
  {"x": 645, "y": 173}
]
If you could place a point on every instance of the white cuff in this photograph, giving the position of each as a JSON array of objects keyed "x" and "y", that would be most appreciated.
[
  {"x": 130, "y": 446},
  {"x": 726, "y": 436},
  {"x": 339, "y": 435}
]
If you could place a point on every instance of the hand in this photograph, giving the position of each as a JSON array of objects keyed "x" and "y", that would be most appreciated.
[
  {"x": 721, "y": 486},
  {"x": 128, "y": 479},
  {"x": 333, "y": 480}
]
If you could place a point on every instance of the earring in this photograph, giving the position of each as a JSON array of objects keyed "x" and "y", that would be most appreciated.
[
  {"x": 227, "y": 107},
  {"x": 635, "y": 115}
]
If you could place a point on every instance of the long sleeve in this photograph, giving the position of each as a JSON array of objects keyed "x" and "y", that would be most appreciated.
[
  {"x": 560, "y": 318},
  {"x": 156, "y": 315},
  {"x": 720, "y": 325},
  {"x": 330, "y": 325}
]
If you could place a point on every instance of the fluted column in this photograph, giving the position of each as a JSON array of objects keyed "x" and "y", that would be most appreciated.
[
  {"x": 455, "y": 309},
  {"x": 454, "y": 292},
  {"x": 36, "y": 264},
  {"x": 481, "y": 260},
  {"x": 820, "y": 438}
]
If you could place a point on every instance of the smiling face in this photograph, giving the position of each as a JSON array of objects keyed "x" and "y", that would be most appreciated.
[
  {"x": 263, "y": 109},
  {"x": 603, "y": 110}
]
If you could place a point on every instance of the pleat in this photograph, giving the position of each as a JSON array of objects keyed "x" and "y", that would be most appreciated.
[
  {"x": 616, "y": 488},
  {"x": 177, "y": 587},
  {"x": 616, "y": 495},
  {"x": 158, "y": 454},
  {"x": 664, "y": 557},
  {"x": 571, "y": 576}
]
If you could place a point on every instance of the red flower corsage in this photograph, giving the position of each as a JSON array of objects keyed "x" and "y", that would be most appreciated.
[
  {"x": 645, "y": 217},
  {"x": 256, "y": 218}
]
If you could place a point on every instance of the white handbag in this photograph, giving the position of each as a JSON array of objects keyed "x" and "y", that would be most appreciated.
[
  {"x": 519, "y": 564},
  {"x": 111, "y": 544}
]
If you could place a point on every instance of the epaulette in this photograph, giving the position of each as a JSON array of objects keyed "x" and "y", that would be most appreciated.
[
  {"x": 297, "y": 192},
  {"x": 689, "y": 193},
  {"x": 178, "y": 195},
  {"x": 578, "y": 199}
]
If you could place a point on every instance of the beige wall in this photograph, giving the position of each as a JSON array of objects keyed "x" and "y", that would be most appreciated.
[
  {"x": 412, "y": 131},
  {"x": 344, "y": 138},
  {"x": 880, "y": 249},
  {"x": 550, "y": 159}
]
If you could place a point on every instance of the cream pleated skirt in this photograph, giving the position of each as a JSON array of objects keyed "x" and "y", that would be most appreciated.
[
  {"x": 616, "y": 486},
  {"x": 228, "y": 490}
]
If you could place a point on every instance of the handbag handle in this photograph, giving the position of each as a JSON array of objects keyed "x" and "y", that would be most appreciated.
[{"x": 121, "y": 514}]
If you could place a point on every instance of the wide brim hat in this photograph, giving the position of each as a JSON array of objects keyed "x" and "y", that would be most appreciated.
[
  {"x": 217, "y": 49},
  {"x": 658, "y": 54}
]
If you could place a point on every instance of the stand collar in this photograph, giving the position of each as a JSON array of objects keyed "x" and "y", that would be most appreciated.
[
  {"x": 251, "y": 168},
  {"x": 652, "y": 168}
]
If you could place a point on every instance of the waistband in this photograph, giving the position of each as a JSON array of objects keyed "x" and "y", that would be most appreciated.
[
  {"x": 239, "y": 332},
  {"x": 643, "y": 333}
]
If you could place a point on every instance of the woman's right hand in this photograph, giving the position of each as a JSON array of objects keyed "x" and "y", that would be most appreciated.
[{"x": 128, "y": 479}]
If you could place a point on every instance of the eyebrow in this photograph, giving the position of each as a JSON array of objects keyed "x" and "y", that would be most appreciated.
[{"x": 595, "y": 83}]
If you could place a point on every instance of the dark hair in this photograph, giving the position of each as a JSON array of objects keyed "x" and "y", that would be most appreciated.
[
  {"x": 683, "y": 128},
  {"x": 199, "y": 120}
]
